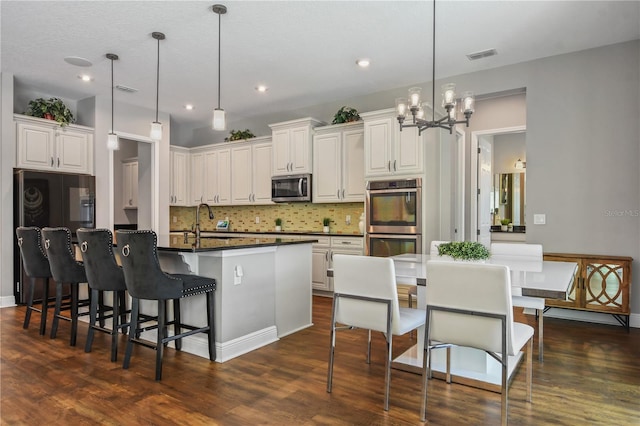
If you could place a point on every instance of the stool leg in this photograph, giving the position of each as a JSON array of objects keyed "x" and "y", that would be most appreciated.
[
  {"x": 133, "y": 327},
  {"x": 123, "y": 310},
  {"x": 56, "y": 310},
  {"x": 101, "y": 307},
  {"x": 116, "y": 326},
  {"x": 211, "y": 336},
  {"x": 176, "y": 323},
  {"x": 93, "y": 311},
  {"x": 45, "y": 306},
  {"x": 27, "y": 315},
  {"x": 74, "y": 313},
  {"x": 162, "y": 326}
]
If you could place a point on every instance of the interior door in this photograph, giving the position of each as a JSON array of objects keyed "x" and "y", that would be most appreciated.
[{"x": 484, "y": 192}]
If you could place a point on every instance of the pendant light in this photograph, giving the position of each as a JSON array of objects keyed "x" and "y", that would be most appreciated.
[
  {"x": 413, "y": 104},
  {"x": 219, "y": 121},
  {"x": 112, "y": 138},
  {"x": 156, "y": 126}
]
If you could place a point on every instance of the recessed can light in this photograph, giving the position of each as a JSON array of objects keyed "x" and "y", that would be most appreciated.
[
  {"x": 262, "y": 88},
  {"x": 363, "y": 63},
  {"x": 189, "y": 107},
  {"x": 85, "y": 77}
]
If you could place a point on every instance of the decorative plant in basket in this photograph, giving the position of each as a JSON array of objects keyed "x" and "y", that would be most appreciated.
[
  {"x": 237, "y": 135},
  {"x": 464, "y": 250},
  {"x": 345, "y": 115},
  {"x": 51, "y": 109}
]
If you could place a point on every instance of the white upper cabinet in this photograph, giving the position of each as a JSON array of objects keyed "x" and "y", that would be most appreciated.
[
  {"x": 292, "y": 146},
  {"x": 210, "y": 175},
  {"x": 44, "y": 145},
  {"x": 218, "y": 176},
  {"x": 251, "y": 172},
  {"x": 338, "y": 163},
  {"x": 179, "y": 175},
  {"x": 389, "y": 151}
]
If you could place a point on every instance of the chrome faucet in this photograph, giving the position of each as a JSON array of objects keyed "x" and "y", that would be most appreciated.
[{"x": 197, "y": 227}]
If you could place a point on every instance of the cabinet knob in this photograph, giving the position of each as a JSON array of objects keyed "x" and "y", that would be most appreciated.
[
  {"x": 51, "y": 161},
  {"x": 394, "y": 165},
  {"x": 389, "y": 165}
]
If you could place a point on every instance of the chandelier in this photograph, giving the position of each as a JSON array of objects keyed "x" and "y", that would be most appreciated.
[{"x": 413, "y": 104}]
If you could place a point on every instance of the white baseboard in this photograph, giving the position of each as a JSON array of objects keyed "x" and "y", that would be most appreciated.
[
  {"x": 7, "y": 301},
  {"x": 595, "y": 317},
  {"x": 197, "y": 344}
]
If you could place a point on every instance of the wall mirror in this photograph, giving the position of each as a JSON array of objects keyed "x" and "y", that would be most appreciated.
[{"x": 509, "y": 197}]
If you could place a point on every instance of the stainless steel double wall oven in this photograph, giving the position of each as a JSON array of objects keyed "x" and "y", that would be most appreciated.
[{"x": 393, "y": 211}]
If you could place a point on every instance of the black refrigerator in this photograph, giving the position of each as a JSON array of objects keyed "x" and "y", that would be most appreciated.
[{"x": 50, "y": 199}]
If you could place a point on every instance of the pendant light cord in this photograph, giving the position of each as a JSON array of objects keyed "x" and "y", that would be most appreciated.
[
  {"x": 219, "y": 54},
  {"x": 433, "y": 78},
  {"x": 112, "y": 128},
  {"x": 157, "y": 79}
]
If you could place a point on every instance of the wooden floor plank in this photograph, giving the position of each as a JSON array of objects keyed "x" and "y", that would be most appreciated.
[{"x": 591, "y": 375}]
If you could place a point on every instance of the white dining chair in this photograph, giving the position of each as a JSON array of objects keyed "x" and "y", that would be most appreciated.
[
  {"x": 531, "y": 252},
  {"x": 365, "y": 296},
  {"x": 469, "y": 304}
]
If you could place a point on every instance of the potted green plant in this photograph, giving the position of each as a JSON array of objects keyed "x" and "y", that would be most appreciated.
[
  {"x": 51, "y": 109},
  {"x": 325, "y": 224},
  {"x": 278, "y": 224},
  {"x": 464, "y": 250},
  {"x": 504, "y": 224},
  {"x": 345, "y": 115},
  {"x": 238, "y": 135}
]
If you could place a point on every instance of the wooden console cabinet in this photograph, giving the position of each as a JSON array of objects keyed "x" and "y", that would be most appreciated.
[{"x": 602, "y": 284}]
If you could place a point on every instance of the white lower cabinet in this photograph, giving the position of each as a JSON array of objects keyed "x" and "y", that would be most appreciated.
[
  {"x": 130, "y": 184},
  {"x": 322, "y": 258}
]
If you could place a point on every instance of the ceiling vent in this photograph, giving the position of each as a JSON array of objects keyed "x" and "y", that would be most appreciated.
[
  {"x": 482, "y": 54},
  {"x": 126, "y": 89}
]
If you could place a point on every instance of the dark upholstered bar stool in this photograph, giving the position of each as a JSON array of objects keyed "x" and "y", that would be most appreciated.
[
  {"x": 65, "y": 269},
  {"x": 36, "y": 265},
  {"x": 103, "y": 274},
  {"x": 145, "y": 280}
]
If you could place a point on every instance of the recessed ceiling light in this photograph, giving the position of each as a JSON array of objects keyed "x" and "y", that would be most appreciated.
[
  {"x": 189, "y": 107},
  {"x": 85, "y": 77},
  {"x": 262, "y": 88},
  {"x": 363, "y": 63},
  {"x": 78, "y": 61}
]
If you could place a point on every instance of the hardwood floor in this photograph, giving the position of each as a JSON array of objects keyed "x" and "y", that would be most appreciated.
[{"x": 591, "y": 375}]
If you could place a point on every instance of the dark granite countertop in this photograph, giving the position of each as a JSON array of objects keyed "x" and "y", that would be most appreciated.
[
  {"x": 177, "y": 243},
  {"x": 270, "y": 233}
]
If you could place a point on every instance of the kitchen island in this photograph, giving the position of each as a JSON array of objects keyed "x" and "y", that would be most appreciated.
[{"x": 263, "y": 289}]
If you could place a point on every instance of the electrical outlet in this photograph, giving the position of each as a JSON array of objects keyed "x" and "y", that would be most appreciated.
[
  {"x": 175, "y": 219},
  {"x": 539, "y": 219},
  {"x": 257, "y": 219},
  {"x": 348, "y": 219}
]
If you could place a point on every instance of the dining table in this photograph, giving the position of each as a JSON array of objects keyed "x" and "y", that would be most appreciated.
[{"x": 469, "y": 366}]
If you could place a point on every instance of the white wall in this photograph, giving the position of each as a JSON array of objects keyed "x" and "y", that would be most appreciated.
[
  {"x": 7, "y": 160},
  {"x": 507, "y": 149}
]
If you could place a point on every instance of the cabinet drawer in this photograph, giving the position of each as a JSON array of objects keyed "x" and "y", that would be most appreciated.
[
  {"x": 322, "y": 241},
  {"x": 355, "y": 243}
]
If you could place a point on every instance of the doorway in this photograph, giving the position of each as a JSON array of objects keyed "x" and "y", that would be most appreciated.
[
  {"x": 141, "y": 213},
  {"x": 481, "y": 217}
]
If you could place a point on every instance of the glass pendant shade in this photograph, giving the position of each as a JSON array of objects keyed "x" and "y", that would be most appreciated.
[
  {"x": 401, "y": 107},
  {"x": 448, "y": 95},
  {"x": 156, "y": 131},
  {"x": 112, "y": 142},
  {"x": 468, "y": 102},
  {"x": 219, "y": 119},
  {"x": 414, "y": 97}
]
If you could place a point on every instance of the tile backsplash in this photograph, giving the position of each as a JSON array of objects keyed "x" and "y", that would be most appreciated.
[{"x": 296, "y": 217}]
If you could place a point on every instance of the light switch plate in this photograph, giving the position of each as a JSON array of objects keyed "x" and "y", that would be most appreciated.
[{"x": 539, "y": 219}]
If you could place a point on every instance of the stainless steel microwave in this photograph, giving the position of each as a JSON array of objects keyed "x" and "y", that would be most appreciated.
[{"x": 286, "y": 189}]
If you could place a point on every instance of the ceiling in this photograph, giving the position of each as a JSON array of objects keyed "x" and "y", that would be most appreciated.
[{"x": 304, "y": 51}]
